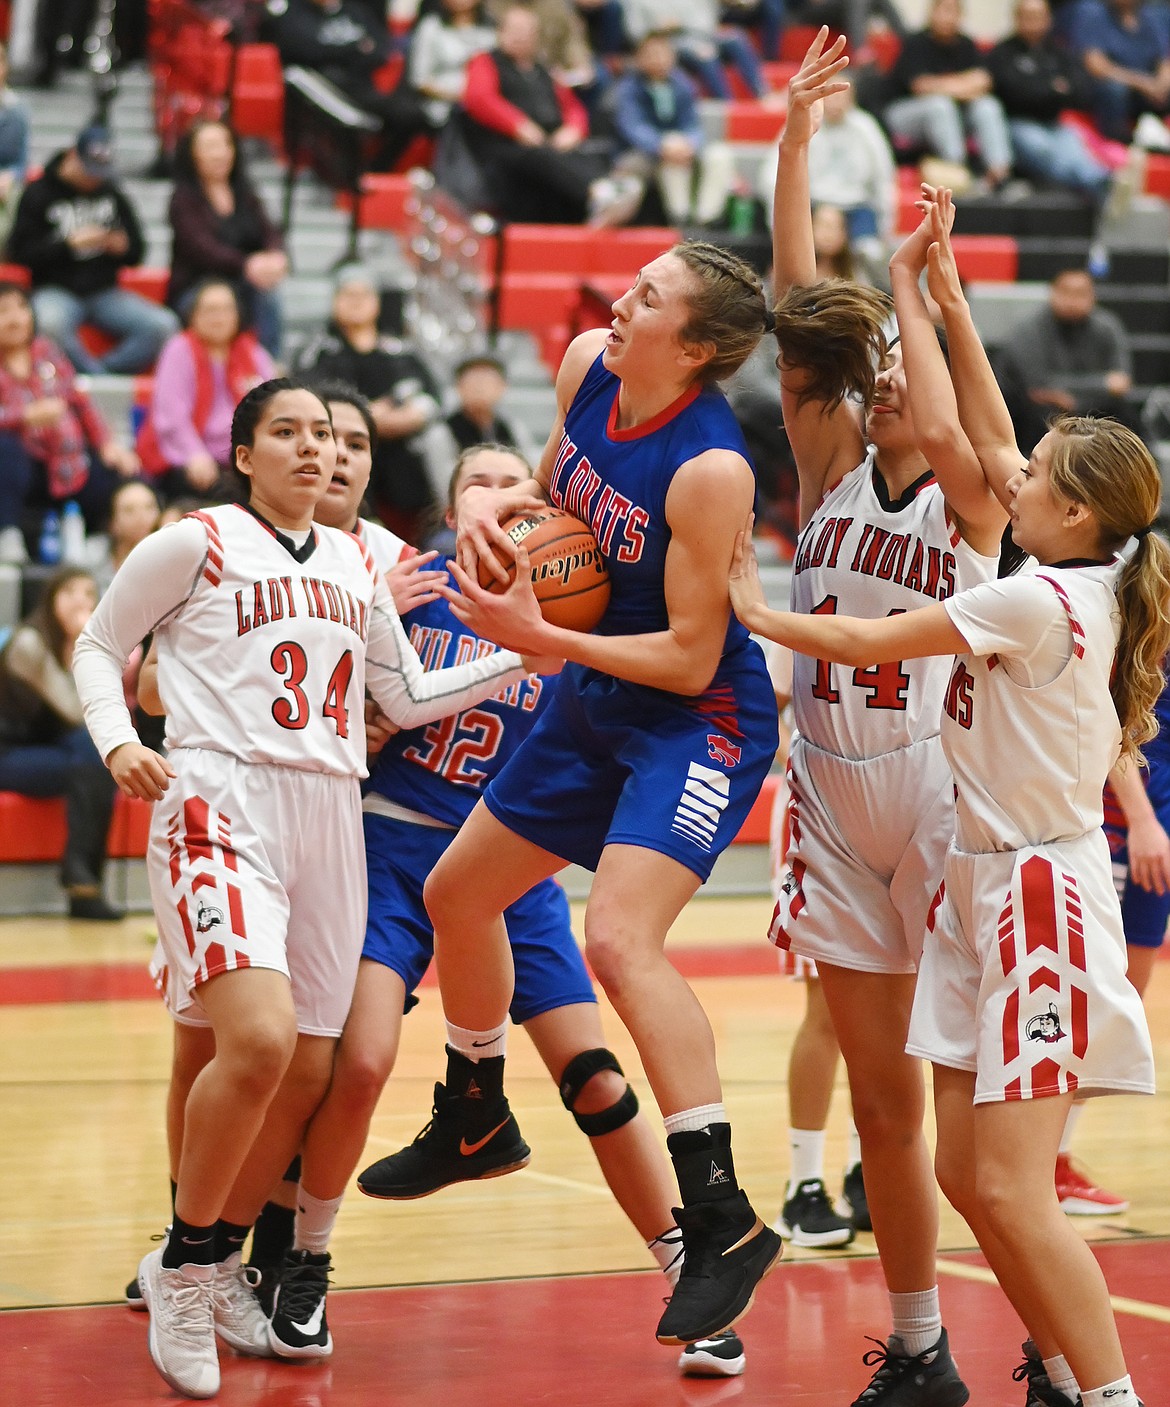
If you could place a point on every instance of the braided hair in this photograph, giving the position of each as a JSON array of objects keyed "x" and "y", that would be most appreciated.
[{"x": 727, "y": 306}]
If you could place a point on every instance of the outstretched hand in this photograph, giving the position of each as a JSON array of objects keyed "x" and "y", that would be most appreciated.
[
  {"x": 912, "y": 253},
  {"x": 942, "y": 273},
  {"x": 815, "y": 81},
  {"x": 510, "y": 618},
  {"x": 410, "y": 584},
  {"x": 743, "y": 582}
]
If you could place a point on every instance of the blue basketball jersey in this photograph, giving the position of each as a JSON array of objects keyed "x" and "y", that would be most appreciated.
[
  {"x": 440, "y": 769},
  {"x": 617, "y": 482}
]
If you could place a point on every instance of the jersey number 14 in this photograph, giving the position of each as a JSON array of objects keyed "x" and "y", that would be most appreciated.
[{"x": 886, "y": 683}]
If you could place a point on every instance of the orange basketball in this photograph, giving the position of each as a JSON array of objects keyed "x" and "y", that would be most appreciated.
[{"x": 568, "y": 571}]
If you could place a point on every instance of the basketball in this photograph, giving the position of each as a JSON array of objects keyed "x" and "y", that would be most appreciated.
[{"x": 568, "y": 571}]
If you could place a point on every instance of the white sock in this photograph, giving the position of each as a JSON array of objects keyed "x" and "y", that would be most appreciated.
[
  {"x": 478, "y": 1045},
  {"x": 314, "y": 1222},
  {"x": 853, "y": 1157},
  {"x": 1118, "y": 1394},
  {"x": 667, "y": 1250},
  {"x": 1070, "y": 1126},
  {"x": 917, "y": 1319},
  {"x": 808, "y": 1158},
  {"x": 1061, "y": 1377},
  {"x": 695, "y": 1120}
]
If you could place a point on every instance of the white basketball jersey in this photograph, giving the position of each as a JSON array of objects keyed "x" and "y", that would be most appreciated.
[
  {"x": 386, "y": 548},
  {"x": 266, "y": 658},
  {"x": 861, "y": 556},
  {"x": 1030, "y": 761}
]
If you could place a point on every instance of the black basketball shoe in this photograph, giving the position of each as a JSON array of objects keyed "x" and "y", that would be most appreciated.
[
  {"x": 298, "y": 1328},
  {"x": 1041, "y": 1393},
  {"x": 853, "y": 1203},
  {"x": 720, "y": 1356},
  {"x": 472, "y": 1134},
  {"x": 808, "y": 1218},
  {"x": 928, "y": 1379}
]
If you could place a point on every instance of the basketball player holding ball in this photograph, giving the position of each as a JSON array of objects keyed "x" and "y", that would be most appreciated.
[{"x": 651, "y": 752}]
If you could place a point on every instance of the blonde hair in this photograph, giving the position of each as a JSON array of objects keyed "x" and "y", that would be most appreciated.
[
  {"x": 727, "y": 307},
  {"x": 835, "y": 331},
  {"x": 1107, "y": 468}
]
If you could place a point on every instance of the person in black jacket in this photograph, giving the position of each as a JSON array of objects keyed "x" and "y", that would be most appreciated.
[
  {"x": 341, "y": 41},
  {"x": 1036, "y": 81},
  {"x": 75, "y": 229}
]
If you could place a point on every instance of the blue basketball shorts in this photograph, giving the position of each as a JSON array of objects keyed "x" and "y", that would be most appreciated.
[
  {"x": 550, "y": 971},
  {"x": 613, "y": 763},
  {"x": 1144, "y": 914}
]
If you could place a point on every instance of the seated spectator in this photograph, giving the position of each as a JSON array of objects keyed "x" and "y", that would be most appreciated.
[
  {"x": 1036, "y": 80},
  {"x": 185, "y": 440},
  {"x": 605, "y": 24},
  {"x": 766, "y": 17},
  {"x": 656, "y": 118},
  {"x": 442, "y": 44},
  {"x": 1123, "y": 47},
  {"x": 75, "y": 229},
  {"x": 13, "y": 148},
  {"x": 941, "y": 91},
  {"x": 851, "y": 167},
  {"x": 45, "y": 749},
  {"x": 837, "y": 255},
  {"x": 54, "y": 445},
  {"x": 480, "y": 384},
  {"x": 404, "y": 399},
  {"x": 344, "y": 41},
  {"x": 704, "y": 44},
  {"x": 134, "y": 515},
  {"x": 1070, "y": 356},
  {"x": 530, "y": 136},
  {"x": 221, "y": 229},
  {"x": 563, "y": 43}
]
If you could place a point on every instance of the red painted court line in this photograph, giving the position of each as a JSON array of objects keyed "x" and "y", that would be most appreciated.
[
  {"x": 122, "y": 981},
  {"x": 573, "y": 1342}
]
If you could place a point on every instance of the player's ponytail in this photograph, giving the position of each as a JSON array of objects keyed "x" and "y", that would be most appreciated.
[
  {"x": 834, "y": 332},
  {"x": 1107, "y": 468}
]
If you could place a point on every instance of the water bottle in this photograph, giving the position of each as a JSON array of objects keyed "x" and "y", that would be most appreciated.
[
  {"x": 72, "y": 545},
  {"x": 742, "y": 212},
  {"x": 49, "y": 548}
]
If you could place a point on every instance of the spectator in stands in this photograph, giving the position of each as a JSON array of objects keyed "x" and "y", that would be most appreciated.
[
  {"x": 45, "y": 749},
  {"x": 346, "y": 44},
  {"x": 942, "y": 92},
  {"x": 562, "y": 44},
  {"x": 480, "y": 384},
  {"x": 656, "y": 117},
  {"x": 851, "y": 167},
  {"x": 1071, "y": 357},
  {"x": 1036, "y": 80},
  {"x": 221, "y": 229},
  {"x": 605, "y": 24},
  {"x": 404, "y": 399},
  {"x": 202, "y": 373},
  {"x": 54, "y": 445},
  {"x": 1123, "y": 46},
  {"x": 75, "y": 229},
  {"x": 442, "y": 44},
  {"x": 13, "y": 148},
  {"x": 134, "y": 514},
  {"x": 703, "y": 42},
  {"x": 530, "y": 136}
]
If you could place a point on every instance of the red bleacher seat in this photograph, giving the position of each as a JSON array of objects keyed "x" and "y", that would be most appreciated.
[
  {"x": 542, "y": 249},
  {"x": 753, "y": 122},
  {"x": 795, "y": 40},
  {"x": 625, "y": 251},
  {"x": 757, "y": 823},
  {"x": 32, "y": 830},
  {"x": 779, "y": 73},
  {"x": 257, "y": 104},
  {"x": 147, "y": 283},
  {"x": 538, "y": 301},
  {"x": 1157, "y": 175},
  {"x": 383, "y": 201},
  {"x": 15, "y": 273},
  {"x": 986, "y": 258}
]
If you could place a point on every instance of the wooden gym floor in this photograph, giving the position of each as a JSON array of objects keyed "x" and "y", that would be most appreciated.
[{"x": 530, "y": 1288}]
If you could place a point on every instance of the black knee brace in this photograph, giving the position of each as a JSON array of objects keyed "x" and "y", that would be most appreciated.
[{"x": 578, "y": 1072}]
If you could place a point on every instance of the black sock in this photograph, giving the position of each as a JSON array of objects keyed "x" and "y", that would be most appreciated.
[
  {"x": 479, "y": 1080},
  {"x": 272, "y": 1235},
  {"x": 293, "y": 1172},
  {"x": 703, "y": 1164},
  {"x": 229, "y": 1238},
  {"x": 174, "y": 1194},
  {"x": 188, "y": 1245}
]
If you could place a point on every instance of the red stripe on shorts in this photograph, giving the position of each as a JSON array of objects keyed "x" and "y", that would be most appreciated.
[
  {"x": 195, "y": 820},
  {"x": 1080, "y": 1022},
  {"x": 1039, "y": 902},
  {"x": 236, "y": 910},
  {"x": 185, "y": 920},
  {"x": 1075, "y": 923}
]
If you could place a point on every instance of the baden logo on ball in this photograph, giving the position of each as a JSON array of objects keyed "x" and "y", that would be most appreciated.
[{"x": 569, "y": 575}]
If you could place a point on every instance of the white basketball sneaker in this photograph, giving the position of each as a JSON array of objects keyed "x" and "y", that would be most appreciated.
[
  {"x": 182, "y": 1327},
  {"x": 239, "y": 1320}
]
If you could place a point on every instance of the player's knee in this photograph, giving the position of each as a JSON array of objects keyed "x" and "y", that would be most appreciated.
[
  {"x": 998, "y": 1199},
  {"x": 448, "y": 897},
  {"x": 359, "y": 1078},
  {"x": 885, "y": 1124},
  {"x": 952, "y": 1169},
  {"x": 606, "y": 948},
  {"x": 594, "y": 1090},
  {"x": 258, "y": 1058}
]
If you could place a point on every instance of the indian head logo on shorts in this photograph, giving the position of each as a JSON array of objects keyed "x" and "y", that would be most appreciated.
[
  {"x": 1045, "y": 1027},
  {"x": 207, "y": 917},
  {"x": 721, "y": 749}
]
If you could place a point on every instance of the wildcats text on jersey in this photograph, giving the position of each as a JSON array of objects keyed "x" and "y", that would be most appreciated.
[
  {"x": 574, "y": 489},
  {"x": 284, "y": 598},
  {"x": 901, "y": 558},
  {"x": 432, "y": 643}
]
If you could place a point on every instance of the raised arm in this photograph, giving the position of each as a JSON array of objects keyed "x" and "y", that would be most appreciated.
[
  {"x": 793, "y": 259},
  {"x": 977, "y": 513},
  {"x": 708, "y": 499},
  {"x": 983, "y": 412}
]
